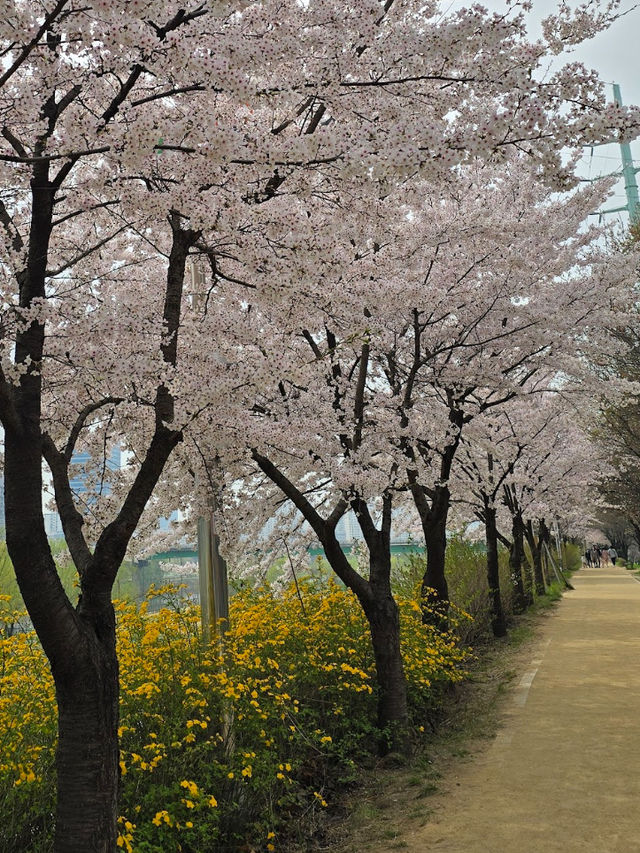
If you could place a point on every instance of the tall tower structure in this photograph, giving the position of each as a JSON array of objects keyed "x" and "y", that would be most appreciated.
[{"x": 628, "y": 173}]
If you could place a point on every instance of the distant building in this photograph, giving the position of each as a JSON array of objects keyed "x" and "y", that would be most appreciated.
[
  {"x": 53, "y": 525},
  {"x": 78, "y": 482},
  {"x": 79, "y": 487}
]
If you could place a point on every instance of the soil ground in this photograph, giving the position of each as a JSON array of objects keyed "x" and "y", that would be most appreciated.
[{"x": 552, "y": 765}]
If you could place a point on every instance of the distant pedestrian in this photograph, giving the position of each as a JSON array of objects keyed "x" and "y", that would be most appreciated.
[
  {"x": 587, "y": 557},
  {"x": 595, "y": 555},
  {"x": 613, "y": 554}
]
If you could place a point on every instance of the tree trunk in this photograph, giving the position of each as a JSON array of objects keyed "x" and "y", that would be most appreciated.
[
  {"x": 384, "y": 624},
  {"x": 87, "y": 756},
  {"x": 80, "y": 646},
  {"x": 536, "y": 556},
  {"x": 435, "y": 591},
  {"x": 544, "y": 537},
  {"x": 521, "y": 598},
  {"x": 498, "y": 622}
]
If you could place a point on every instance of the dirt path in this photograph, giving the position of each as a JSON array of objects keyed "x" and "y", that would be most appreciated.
[{"x": 563, "y": 773}]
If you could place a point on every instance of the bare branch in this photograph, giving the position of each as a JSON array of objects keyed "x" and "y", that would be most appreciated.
[
  {"x": 86, "y": 253},
  {"x": 80, "y": 421},
  {"x": 181, "y": 17},
  {"x": 122, "y": 95},
  {"x": 49, "y": 158},
  {"x": 67, "y": 216},
  {"x": 301, "y": 109},
  {"x": 169, "y": 93}
]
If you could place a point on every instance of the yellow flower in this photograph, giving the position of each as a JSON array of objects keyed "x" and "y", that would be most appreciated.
[{"x": 191, "y": 787}]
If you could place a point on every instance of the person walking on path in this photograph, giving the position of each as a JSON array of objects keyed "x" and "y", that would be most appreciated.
[{"x": 613, "y": 555}]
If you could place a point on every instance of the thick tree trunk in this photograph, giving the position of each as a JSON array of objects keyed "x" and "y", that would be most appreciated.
[
  {"x": 80, "y": 646},
  {"x": 521, "y": 597},
  {"x": 87, "y": 757},
  {"x": 435, "y": 591},
  {"x": 498, "y": 621},
  {"x": 384, "y": 624}
]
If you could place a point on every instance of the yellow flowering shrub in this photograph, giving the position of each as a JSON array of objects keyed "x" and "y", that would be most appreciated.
[{"x": 221, "y": 744}]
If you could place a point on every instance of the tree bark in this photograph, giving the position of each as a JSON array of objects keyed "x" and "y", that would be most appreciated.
[
  {"x": 544, "y": 537},
  {"x": 435, "y": 590},
  {"x": 433, "y": 509},
  {"x": 498, "y": 621},
  {"x": 392, "y": 713},
  {"x": 536, "y": 555},
  {"x": 521, "y": 598},
  {"x": 78, "y": 642},
  {"x": 383, "y": 616},
  {"x": 80, "y": 646},
  {"x": 87, "y": 756}
]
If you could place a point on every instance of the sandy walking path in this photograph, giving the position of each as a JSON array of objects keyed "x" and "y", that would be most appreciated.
[{"x": 563, "y": 773}]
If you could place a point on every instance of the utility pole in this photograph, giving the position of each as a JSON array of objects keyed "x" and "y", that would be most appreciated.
[
  {"x": 212, "y": 568},
  {"x": 212, "y": 571},
  {"x": 628, "y": 173},
  {"x": 628, "y": 170}
]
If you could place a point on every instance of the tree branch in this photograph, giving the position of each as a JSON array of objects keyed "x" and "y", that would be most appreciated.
[
  {"x": 358, "y": 407},
  {"x": 9, "y": 226},
  {"x": 333, "y": 551},
  {"x": 71, "y": 519},
  {"x": 195, "y": 87},
  {"x": 15, "y": 143},
  {"x": 26, "y": 50},
  {"x": 181, "y": 17},
  {"x": 86, "y": 253},
  {"x": 78, "y": 426},
  {"x": 49, "y": 158},
  {"x": 123, "y": 93},
  {"x": 183, "y": 240}
]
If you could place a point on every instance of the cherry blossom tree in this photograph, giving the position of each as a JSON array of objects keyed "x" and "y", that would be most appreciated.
[
  {"x": 137, "y": 134},
  {"x": 358, "y": 393},
  {"x": 498, "y": 339},
  {"x": 530, "y": 460}
]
